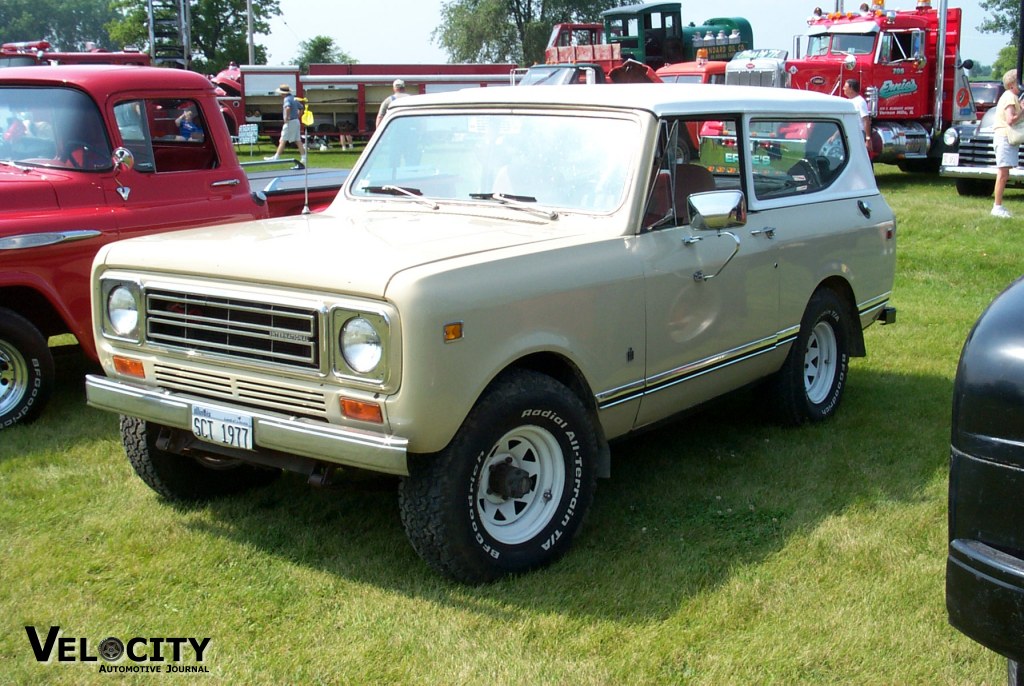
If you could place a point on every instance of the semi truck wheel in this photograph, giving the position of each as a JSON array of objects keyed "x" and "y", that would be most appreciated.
[
  {"x": 180, "y": 477},
  {"x": 26, "y": 370},
  {"x": 810, "y": 384},
  {"x": 512, "y": 488}
]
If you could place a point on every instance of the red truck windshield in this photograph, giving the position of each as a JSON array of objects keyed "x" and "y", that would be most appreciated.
[{"x": 52, "y": 127}]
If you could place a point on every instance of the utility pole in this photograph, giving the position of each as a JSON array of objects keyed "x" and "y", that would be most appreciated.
[{"x": 252, "y": 47}]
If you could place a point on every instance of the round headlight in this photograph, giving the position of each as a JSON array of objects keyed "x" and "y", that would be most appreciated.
[
  {"x": 950, "y": 137},
  {"x": 361, "y": 345},
  {"x": 123, "y": 311}
]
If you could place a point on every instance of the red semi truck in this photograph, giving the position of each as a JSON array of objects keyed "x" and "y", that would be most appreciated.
[
  {"x": 908, "y": 65},
  {"x": 93, "y": 154}
]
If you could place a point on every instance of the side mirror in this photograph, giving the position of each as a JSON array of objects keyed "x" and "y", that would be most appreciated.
[
  {"x": 717, "y": 210},
  {"x": 849, "y": 62},
  {"x": 123, "y": 159},
  {"x": 967, "y": 64}
]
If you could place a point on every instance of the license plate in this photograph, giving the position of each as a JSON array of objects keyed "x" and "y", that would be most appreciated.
[
  {"x": 950, "y": 159},
  {"x": 225, "y": 428}
]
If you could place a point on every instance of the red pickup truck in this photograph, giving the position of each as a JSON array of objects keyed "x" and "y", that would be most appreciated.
[{"x": 93, "y": 154}]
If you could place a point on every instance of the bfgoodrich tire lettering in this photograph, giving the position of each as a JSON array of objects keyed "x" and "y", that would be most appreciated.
[
  {"x": 811, "y": 382},
  {"x": 511, "y": 490},
  {"x": 180, "y": 477},
  {"x": 26, "y": 370}
]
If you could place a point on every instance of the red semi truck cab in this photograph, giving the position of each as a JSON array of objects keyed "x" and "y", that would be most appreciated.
[
  {"x": 908, "y": 65},
  {"x": 90, "y": 155}
]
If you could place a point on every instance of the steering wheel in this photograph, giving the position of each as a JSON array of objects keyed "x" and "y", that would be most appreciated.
[{"x": 72, "y": 146}]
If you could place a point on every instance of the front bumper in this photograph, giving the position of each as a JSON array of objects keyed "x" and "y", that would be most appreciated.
[
  {"x": 280, "y": 433},
  {"x": 985, "y": 585},
  {"x": 961, "y": 172}
]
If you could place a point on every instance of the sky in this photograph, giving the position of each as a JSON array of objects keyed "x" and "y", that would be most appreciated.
[{"x": 399, "y": 32}]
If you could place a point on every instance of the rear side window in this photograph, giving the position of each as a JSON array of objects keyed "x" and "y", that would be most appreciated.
[
  {"x": 165, "y": 135},
  {"x": 795, "y": 157}
]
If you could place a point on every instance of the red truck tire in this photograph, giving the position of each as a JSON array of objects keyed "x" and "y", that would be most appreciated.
[{"x": 26, "y": 370}]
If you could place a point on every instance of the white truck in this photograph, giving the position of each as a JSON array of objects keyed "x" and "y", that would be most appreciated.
[{"x": 509, "y": 279}]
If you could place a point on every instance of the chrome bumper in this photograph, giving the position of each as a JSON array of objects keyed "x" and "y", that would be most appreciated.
[
  {"x": 960, "y": 172},
  {"x": 343, "y": 446}
]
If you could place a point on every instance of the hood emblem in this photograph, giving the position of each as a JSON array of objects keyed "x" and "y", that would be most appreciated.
[{"x": 124, "y": 191}]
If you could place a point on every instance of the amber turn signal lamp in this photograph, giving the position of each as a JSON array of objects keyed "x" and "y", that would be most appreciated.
[
  {"x": 452, "y": 332},
  {"x": 129, "y": 367},
  {"x": 362, "y": 411}
]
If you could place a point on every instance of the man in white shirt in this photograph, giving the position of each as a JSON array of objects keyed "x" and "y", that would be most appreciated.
[{"x": 851, "y": 89}]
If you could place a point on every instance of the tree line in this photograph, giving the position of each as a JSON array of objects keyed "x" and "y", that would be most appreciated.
[{"x": 488, "y": 31}]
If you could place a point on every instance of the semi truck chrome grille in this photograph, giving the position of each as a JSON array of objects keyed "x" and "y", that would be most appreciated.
[
  {"x": 252, "y": 393},
  {"x": 240, "y": 329}
]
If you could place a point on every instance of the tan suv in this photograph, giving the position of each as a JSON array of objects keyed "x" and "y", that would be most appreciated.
[{"x": 510, "y": 278}]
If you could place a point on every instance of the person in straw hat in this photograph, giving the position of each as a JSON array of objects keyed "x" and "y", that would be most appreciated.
[{"x": 290, "y": 129}]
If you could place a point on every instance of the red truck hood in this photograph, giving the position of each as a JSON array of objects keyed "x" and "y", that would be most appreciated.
[
  {"x": 349, "y": 253},
  {"x": 28, "y": 191}
]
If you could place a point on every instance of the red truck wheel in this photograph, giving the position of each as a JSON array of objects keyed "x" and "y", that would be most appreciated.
[{"x": 26, "y": 370}]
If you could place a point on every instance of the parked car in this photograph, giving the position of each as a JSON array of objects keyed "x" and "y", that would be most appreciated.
[
  {"x": 509, "y": 279},
  {"x": 91, "y": 154},
  {"x": 970, "y": 158},
  {"x": 985, "y": 562}
]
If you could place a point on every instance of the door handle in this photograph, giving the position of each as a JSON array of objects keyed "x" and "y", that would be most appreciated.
[
  {"x": 768, "y": 231},
  {"x": 228, "y": 182}
]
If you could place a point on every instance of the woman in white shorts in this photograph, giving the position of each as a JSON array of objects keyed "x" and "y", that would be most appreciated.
[{"x": 1008, "y": 112}]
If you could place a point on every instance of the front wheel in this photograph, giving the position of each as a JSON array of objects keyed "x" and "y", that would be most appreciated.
[
  {"x": 26, "y": 370},
  {"x": 975, "y": 188},
  {"x": 181, "y": 477},
  {"x": 810, "y": 384},
  {"x": 512, "y": 488}
]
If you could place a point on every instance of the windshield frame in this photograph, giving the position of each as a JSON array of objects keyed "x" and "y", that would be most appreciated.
[{"x": 574, "y": 155}]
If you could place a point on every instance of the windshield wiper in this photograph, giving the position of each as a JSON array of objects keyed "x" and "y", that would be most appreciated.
[
  {"x": 517, "y": 201},
  {"x": 414, "y": 193},
  {"x": 12, "y": 163}
]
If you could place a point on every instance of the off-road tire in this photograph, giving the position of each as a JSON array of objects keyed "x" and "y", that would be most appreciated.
[
  {"x": 180, "y": 477},
  {"x": 472, "y": 535},
  {"x": 811, "y": 382},
  {"x": 26, "y": 370}
]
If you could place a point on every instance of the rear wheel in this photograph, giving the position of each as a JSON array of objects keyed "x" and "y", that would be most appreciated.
[
  {"x": 810, "y": 384},
  {"x": 512, "y": 488},
  {"x": 180, "y": 477},
  {"x": 26, "y": 370}
]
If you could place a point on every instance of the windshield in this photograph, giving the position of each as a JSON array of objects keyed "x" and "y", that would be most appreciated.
[
  {"x": 568, "y": 161},
  {"x": 52, "y": 127},
  {"x": 853, "y": 44}
]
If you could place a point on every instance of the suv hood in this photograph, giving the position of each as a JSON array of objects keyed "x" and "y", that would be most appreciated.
[{"x": 352, "y": 253}]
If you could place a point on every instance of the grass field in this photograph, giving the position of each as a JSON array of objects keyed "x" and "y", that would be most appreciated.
[{"x": 724, "y": 550}]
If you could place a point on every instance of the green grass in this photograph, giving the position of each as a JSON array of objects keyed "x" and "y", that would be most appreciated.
[{"x": 724, "y": 550}]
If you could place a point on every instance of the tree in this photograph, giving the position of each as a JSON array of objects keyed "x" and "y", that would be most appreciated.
[
  {"x": 67, "y": 24},
  {"x": 1005, "y": 61},
  {"x": 1006, "y": 19},
  {"x": 219, "y": 29},
  {"x": 508, "y": 30},
  {"x": 321, "y": 50}
]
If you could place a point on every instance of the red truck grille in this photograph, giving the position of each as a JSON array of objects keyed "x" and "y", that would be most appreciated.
[{"x": 231, "y": 327}]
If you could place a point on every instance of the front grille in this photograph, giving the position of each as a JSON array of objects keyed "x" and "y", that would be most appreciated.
[
  {"x": 277, "y": 396},
  {"x": 979, "y": 151},
  {"x": 240, "y": 329}
]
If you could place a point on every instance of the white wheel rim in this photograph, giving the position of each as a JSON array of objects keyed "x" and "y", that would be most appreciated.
[
  {"x": 515, "y": 520},
  {"x": 13, "y": 377},
  {"x": 820, "y": 362}
]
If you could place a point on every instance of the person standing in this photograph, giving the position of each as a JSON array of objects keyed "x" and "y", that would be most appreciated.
[
  {"x": 290, "y": 129},
  {"x": 398, "y": 88},
  {"x": 1008, "y": 113},
  {"x": 851, "y": 89}
]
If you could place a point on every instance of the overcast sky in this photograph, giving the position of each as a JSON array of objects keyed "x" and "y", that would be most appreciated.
[{"x": 399, "y": 31}]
